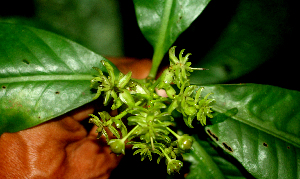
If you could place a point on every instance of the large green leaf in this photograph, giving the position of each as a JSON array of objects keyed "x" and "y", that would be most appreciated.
[
  {"x": 262, "y": 154},
  {"x": 161, "y": 22},
  {"x": 42, "y": 76},
  {"x": 207, "y": 163},
  {"x": 264, "y": 133},
  {"x": 252, "y": 36}
]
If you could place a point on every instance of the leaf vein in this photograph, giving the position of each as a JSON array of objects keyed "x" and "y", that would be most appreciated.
[{"x": 45, "y": 78}]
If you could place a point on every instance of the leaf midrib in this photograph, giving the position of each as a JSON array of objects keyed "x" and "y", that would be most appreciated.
[{"x": 46, "y": 78}]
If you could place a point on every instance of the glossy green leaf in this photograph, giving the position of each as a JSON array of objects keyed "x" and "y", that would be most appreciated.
[
  {"x": 262, "y": 154},
  {"x": 42, "y": 76},
  {"x": 252, "y": 36},
  {"x": 207, "y": 163},
  {"x": 161, "y": 22},
  {"x": 264, "y": 133}
]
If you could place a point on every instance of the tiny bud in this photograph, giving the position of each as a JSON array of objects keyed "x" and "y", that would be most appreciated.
[
  {"x": 185, "y": 142},
  {"x": 174, "y": 166},
  {"x": 117, "y": 146}
]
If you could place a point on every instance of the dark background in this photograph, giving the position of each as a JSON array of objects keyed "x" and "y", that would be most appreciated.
[{"x": 280, "y": 69}]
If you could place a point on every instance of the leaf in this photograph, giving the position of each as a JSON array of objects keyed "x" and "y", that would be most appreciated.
[
  {"x": 220, "y": 117},
  {"x": 207, "y": 163},
  {"x": 264, "y": 134},
  {"x": 268, "y": 108},
  {"x": 252, "y": 36},
  {"x": 263, "y": 155},
  {"x": 161, "y": 22},
  {"x": 42, "y": 76}
]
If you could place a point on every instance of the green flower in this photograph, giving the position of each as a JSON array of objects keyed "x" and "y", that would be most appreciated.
[
  {"x": 145, "y": 149},
  {"x": 117, "y": 146},
  {"x": 110, "y": 85},
  {"x": 100, "y": 130},
  {"x": 203, "y": 106},
  {"x": 150, "y": 113},
  {"x": 174, "y": 166},
  {"x": 180, "y": 67},
  {"x": 107, "y": 121},
  {"x": 194, "y": 107}
]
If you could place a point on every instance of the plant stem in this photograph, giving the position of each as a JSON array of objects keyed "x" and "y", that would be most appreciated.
[
  {"x": 152, "y": 144},
  {"x": 124, "y": 138},
  {"x": 159, "y": 50},
  {"x": 166, "y": 155},
  {"x": 121, "y": 115},
  {"x": 170, "y": 130}
]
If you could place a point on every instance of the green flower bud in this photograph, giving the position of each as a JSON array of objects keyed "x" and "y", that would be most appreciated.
[
  {"x": 124, "y": 80},
  {"x": 117, "y": 146},
  {"x": 95, "y": 82},
  {"x": 126, "y": 98},
  {"x": 110, "y": 71},
  {"x": 190, "y": 110},
  {"x": 170, "y": 92},
  {"x": 147, "y": 137},
  {"x": 139, "y": 131},
  {"x": 185, "y": 142},
  {"x": 165, "y": 79},
  {"x": 189, "y": 90},
  {"x": 117, "y": 103},
  {"x": 174, "y": 166},
  {"x": 173, "y": 58},
  {"x": 172, "y": 106},
  {"x": 118, "y": 123},
  {"x": 168, "y": 150},
  {"x": 107, "y": 98}
]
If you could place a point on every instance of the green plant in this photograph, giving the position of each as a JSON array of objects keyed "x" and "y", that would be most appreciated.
[
  {"x": 255, "y": 124},
  {"x": 149, "y": 113}
]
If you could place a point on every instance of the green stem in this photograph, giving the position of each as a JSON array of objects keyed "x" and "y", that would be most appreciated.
[
  {"x": 121, "y": 115},
  {"x": 170, "y": 130},
  {"x": 132, "y": 130},
  {"x": 152, "y": 144},
  {"x": 159, "y": 46},
  {"x": 124, "y": 113},
  {"x": 152, "y": 87},
  {"x": 176, "y": 135},
  {"x": 138, "y": 103},
  {"x": 166, "y": 155}
]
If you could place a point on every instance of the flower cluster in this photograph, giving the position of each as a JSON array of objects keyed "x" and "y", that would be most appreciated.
[{"x": 149, "y": 113}]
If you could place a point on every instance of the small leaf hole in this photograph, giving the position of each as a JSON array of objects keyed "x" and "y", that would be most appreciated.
[
  {"x": 265, "y": 144},
  {"x": 288, "y": 147},
  {"x": 212, "y": 135},
  {"x": 3, "y": 87},
  {"x": 26, "y": 61},
  {"x": 57, "y": 92},
  {"x": 227, "y": 147}
]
